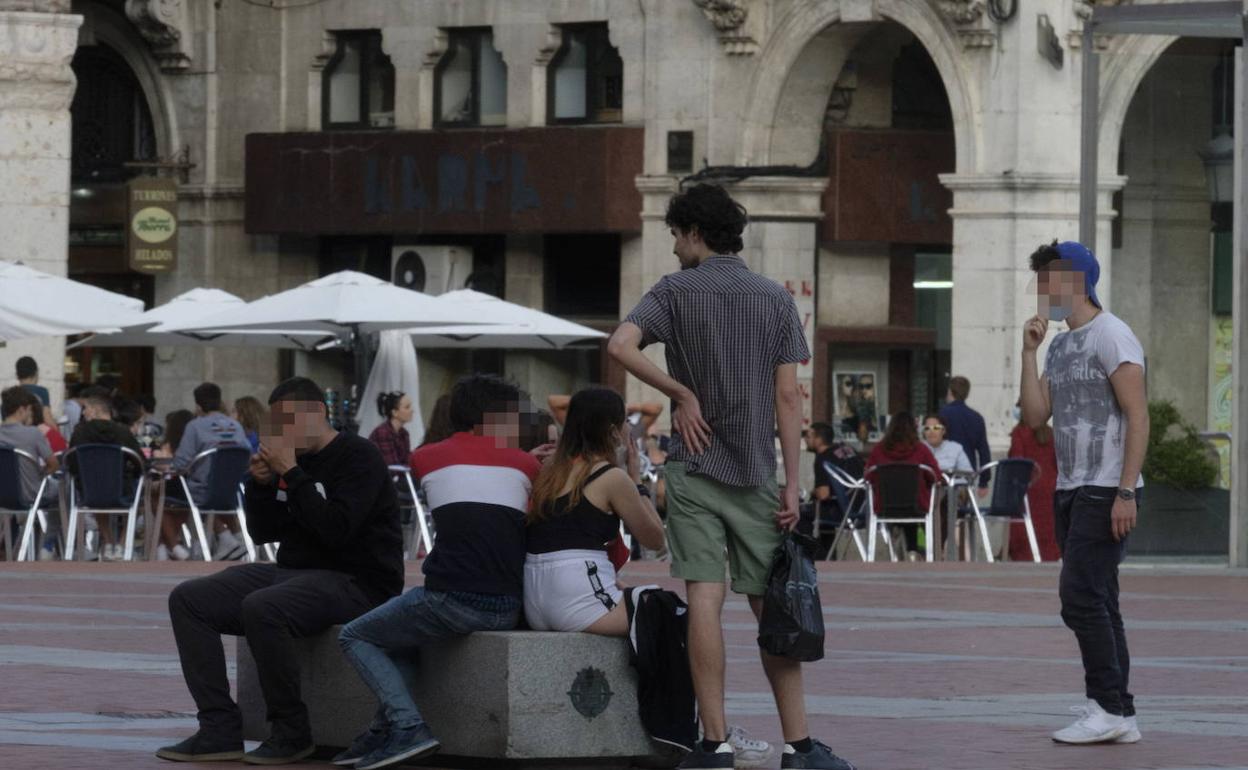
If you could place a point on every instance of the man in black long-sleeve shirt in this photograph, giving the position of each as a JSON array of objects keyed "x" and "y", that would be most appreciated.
[{"x": 327, "y": 498}]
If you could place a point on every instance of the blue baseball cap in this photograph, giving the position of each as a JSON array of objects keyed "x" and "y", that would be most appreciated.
[{"x": 1083, "y": 260}]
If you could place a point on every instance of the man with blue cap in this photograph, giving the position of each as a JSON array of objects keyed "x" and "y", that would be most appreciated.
[{"x": 1093, "y": 387}]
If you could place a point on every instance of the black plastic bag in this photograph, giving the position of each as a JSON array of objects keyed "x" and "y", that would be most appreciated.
[{"x": 792, "y": 620}]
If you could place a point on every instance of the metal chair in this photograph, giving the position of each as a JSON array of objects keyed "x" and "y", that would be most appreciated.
[
  {"x": 851, "y": 496},
  {"x": 97, "y": 485},
  {"x": 1013, "y": 478},
  {"x": 228, "y": 465},
  {"x": 899, "y": 490},
  {"x": 422, "y": 533},
  {"x": 13, "y": 502}
]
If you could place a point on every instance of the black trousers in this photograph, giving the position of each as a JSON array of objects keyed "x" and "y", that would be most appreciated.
[
  {"x": 270, "y": 605},
  {"x": 1089, "y": 593}
]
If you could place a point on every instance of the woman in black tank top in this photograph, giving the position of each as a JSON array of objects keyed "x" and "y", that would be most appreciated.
[{"x": 579, "y": 500}]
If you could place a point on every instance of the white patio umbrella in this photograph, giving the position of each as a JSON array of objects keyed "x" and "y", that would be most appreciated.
[
  {"x": 38, "y": 304},
  {"x": 346, "y": 304},
  {"x": 503, "y": 325},
  {"x": 190, "y": 307}
]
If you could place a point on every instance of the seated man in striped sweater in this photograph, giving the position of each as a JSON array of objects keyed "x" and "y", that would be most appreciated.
[{"x": 477, "y": 484}]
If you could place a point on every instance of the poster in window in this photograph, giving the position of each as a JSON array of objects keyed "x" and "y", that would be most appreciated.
[{"x": 855, "y": 403}]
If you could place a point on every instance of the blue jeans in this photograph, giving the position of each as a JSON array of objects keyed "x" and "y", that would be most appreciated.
[
  {"x": 383, "y": 644},
  {"x": 1089, "y": 592}
]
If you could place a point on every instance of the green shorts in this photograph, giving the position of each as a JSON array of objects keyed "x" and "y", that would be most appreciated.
[{"x": 705, "y": 517}]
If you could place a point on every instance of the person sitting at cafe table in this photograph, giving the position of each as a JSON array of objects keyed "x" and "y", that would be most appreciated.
[{"x": 98, "y": 427}]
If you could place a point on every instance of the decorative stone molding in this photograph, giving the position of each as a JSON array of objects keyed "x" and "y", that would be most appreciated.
[
  {"x": 35, "y": 52},
  {"x": 738, "y": 30},
  {"x": 1083, "y": 11},
  {"x": 35, "y": 6},
  {"x": 967, "y": 19},
  {"x": 166, "y": 25}
]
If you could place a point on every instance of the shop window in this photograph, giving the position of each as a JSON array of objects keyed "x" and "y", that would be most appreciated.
[
  {"x": 358, "y": 84},
  {"x": 586, "y": 78},
  {"x": 471, "y": 81},
  {"x": 582, "y": 275}
]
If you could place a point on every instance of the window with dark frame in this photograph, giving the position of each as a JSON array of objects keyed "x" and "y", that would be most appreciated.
[
  {"x": 357, "y": 88},
  {"x": 585, "y": 79},
  {"x": 470, "y": 81}
]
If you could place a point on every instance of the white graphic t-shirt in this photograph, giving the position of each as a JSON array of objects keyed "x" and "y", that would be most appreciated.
[{"x": 1088, "y": 428}]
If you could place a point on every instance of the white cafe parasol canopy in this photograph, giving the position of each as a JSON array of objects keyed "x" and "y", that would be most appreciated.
[
  {"x": 502, "y": 324},
  {"x": 38, "y": 304},
  {"x": 189, "y": 308}
]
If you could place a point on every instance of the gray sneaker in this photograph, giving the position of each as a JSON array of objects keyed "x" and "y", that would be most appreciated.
[
  {"x": 364, "y": 744},
  {"x": 820, "y": 757},
  {"x": 401, "y": 745}
]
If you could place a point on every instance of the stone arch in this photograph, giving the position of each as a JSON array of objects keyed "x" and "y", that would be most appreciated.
[
  {"x": 809, "y": 18},
  {"x": 1125, "y": 66},
  {"x": 115, "y": 31}
]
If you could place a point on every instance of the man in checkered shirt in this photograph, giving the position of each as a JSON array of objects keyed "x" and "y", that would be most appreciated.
[{"x": 733, "y": 341}]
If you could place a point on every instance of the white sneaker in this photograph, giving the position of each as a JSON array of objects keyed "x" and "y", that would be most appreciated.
[
  {"x": 1132, "y": 735},
  {"x": 750, "y": 752},
  {"x": 162, "y": 552},
  {"x": 179, "y": 553},
  {"x": 113, "y": 552},
  {"x": 1094, "y": 725},
  {"x": 227, "y": 544}
]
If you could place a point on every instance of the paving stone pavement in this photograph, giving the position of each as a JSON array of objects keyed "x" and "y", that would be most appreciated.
[{"x": 928, "y": 666}]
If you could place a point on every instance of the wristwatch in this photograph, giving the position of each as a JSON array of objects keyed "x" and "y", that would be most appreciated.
[{"x": 1126, "y": 494}]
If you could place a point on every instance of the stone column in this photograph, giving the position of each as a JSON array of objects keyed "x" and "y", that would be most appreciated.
[
  {"x": 37, "y": 43},
  {"x": 998, "y": 221}
]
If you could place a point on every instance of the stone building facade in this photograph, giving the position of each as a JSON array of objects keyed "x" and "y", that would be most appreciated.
[{"x": 899, "y": 159}]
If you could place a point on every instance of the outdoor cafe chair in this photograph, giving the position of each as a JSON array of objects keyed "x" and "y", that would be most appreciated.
[
  {"x": 1013, "y": 477},
  {"x": 13, "y": 502},
  {"x": 422, "y": 533},
  {"x": 852, "y": 495},
  {"x": 98, "y": 486},
  {"x": 899, "y": 490},
  {"x": 227, "y": 466}
]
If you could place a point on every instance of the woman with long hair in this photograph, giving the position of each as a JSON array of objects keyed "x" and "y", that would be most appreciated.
[
  {"x": 577, "y": 504},
  {"x": 1036, "y": 445},
  {"x": 391, "y": 436},
  {"x": 439, "y": 427},
  {"x": 251, "y": 414},
  {"x": 901, "y": 445}
]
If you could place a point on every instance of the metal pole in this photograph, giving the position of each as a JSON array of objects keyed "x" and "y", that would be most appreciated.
[
  {"x": 1088, "y": 138},
  {"x": 1238, "y": 541}
]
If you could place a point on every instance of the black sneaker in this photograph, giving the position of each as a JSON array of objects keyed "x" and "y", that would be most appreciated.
[
  {"x": 401, "y": 744},
  {"x": 279, "y": 751},
  {"x": 365, "y": 743},
  {"x": 721, "y": 757},
  {"x": 820, "y": 757},
  {"x": 203, "y": 747}
]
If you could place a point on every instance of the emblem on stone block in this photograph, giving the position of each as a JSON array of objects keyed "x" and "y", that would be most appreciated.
[{"x": 590, "y": 692}]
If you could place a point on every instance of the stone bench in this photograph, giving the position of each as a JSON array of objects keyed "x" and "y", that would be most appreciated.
[{"x": 527, "y": 696}]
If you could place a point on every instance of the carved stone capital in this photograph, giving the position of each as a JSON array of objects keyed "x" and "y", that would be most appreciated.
[
  {"x": 739, "y": 30},
  {"x": 166, "y": 25},
  {"x": 35, "y": 52},
  {"x": 968, "y": 21}
]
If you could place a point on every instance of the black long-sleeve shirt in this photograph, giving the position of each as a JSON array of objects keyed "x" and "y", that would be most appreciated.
[{"x": 338, "y": 511}]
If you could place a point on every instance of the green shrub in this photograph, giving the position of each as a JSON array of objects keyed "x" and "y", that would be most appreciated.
[{"x": 1176, "y": 455}]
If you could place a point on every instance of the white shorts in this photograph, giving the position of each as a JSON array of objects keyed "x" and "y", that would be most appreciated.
[{"x": 568, "y": 590}]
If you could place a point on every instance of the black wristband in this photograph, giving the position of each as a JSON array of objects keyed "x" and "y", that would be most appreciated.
[{"x": 643, "y": 490}]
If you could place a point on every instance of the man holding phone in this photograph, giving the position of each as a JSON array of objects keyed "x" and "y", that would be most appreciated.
[
  {"x": 1093, "y": 387},
  {"x": 327, "y": 498}
]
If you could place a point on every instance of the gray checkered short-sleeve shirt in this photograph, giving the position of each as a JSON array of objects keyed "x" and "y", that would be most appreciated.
[{"x": 726, "y": 329}]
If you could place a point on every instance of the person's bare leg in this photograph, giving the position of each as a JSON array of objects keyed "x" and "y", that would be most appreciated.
[
  {"x": 785, "y": 676},
  {"x": 171, "y": 527},
  {"x": 706, "y": 656}
]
